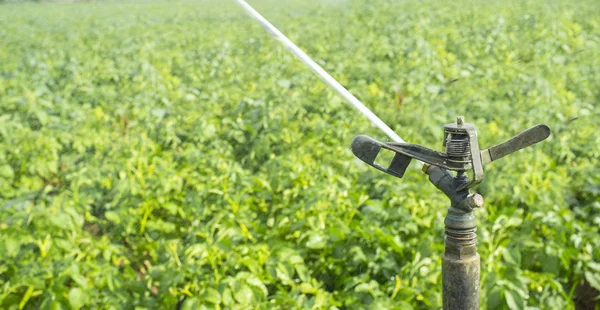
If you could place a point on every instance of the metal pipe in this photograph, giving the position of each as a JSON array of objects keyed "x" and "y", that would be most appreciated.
[
  {"x": 460, "y": 281},
  {"x": 460, "y": 262}
]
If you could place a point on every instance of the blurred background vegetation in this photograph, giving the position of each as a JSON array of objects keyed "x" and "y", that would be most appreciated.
[{"x": 172, "y": 155}]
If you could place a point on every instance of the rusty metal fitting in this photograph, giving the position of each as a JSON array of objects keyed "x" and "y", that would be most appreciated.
[
  {"x": 475, "y": 201},
  {"x": 425, "y": 168}
]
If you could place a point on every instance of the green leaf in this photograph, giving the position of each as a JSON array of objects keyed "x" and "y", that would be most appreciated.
[
  {"x": 254, "y": 281},
  {"x": 434, "y": 89},
  {"x": 403, "y": 305},
  {"x": 511, "y": 256},
  {"x": 306, "y": 288},
  {"x": 191, "y": 303},
  {"x": 244, "y": 295},
  {"x": 494, "y": 298},
  {"x": 227, "y": 297},
  {"x": 6, "y": 172},
  {"x": 514, "y": 300},
  {"x": 316, "y": 241},
  {"x": 26, "y": 297},
  {"x": 159, "y": 113},
  {"x": 11, "y": 246},
  {"x": 284, "y": 272},
  {"x": 594, "y": 266},
  {"x": 302, "y": 272},
  {"x": 362, "y": 288},
  {"x": 211, "y": 295},
  {"x": 593, "y": 279},
  {"x": 77, "y": 298},
  {"x": 60, "y": 220},
  {"x": 112, "y": 216},
  {"x": 284, "y": 83}
]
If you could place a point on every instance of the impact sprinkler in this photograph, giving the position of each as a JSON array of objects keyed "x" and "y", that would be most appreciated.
[
  {"x": 460, "y": 262},
  {"x": 460, "y": 266}
]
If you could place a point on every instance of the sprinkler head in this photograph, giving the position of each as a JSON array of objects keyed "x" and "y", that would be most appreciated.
[{"x": 461, "y": 151}]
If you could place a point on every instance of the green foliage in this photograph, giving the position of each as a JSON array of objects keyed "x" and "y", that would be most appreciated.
[{"x": 156, "y": 155}]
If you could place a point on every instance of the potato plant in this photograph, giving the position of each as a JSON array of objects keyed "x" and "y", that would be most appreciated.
[{"x": 171, "y": 155}]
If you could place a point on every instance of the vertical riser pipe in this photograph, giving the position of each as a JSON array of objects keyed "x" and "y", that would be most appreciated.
[{"x": 460, "y": 280}]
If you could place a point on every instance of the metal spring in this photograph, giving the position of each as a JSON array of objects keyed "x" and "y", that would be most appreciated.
[{"x": 458, "y": 146}]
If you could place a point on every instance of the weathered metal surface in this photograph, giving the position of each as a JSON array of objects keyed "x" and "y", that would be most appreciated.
[
  {"x": 367, "y": 149},
  {"x": 461, "y": 153},
  {"x": 454, "y": 188},
  {"x": 460, "y": 263},
  {"x": 460, "y": 278},
  {"x": 460, "y": 143},
  {"x": 524, "y": 139}
]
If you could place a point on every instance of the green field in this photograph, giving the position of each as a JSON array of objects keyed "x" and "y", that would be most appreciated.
[{"x": 163, "y": 155}]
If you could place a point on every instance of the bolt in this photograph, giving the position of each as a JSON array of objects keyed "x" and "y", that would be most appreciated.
[{"x": 475, "y": 201}]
